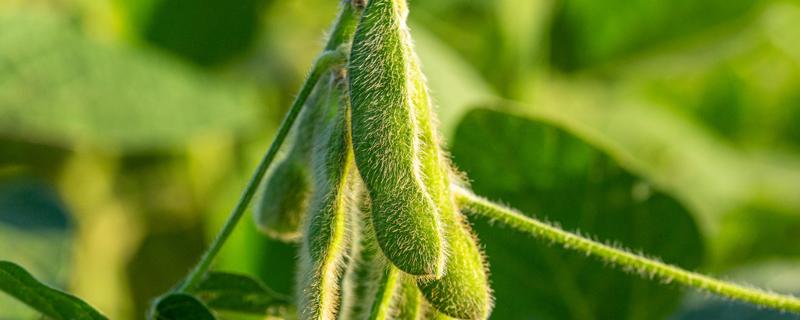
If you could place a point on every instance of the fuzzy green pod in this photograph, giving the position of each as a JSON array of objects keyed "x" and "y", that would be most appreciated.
[
  {"x": 373, "y": 288},
  {"x": 409, "y": 300},
  {"x": 386, "y": 146},
  {"x": 464, "y": 290},
  {"x": 397, "y": 297},
  {"x": 286, "y": 194},
  {"x": 284, "y": 201},
  {"x": 428, "y": 312},
  {"x": 325, "y": 245},
  {"x": 366, "y": 264},
  {"x": 382, "y": 306}
]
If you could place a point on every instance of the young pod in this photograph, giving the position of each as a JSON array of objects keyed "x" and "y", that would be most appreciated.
[
  {"x": 366, "y": 265},
  {"x": 284, "y": 200},
  {"x": 428, "y": 312},
  {"x": 385, "y": 141},
  {"x": 397, "y": 297},
  {"x": 373, "y": 288},
  {"x": 463, "y": 292},
  {"x": 325, "y": 245},
  {"x": 409, "y": 300},
  {"x": 285, "y": 196}
]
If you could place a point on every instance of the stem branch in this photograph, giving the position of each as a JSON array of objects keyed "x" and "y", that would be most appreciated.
[
  {"x": 626, "y": 260},
  {"x": 325, "y": 61}
]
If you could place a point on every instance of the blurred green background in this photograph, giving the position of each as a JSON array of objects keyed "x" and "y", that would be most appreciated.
[{"x": 129, "y": 127}]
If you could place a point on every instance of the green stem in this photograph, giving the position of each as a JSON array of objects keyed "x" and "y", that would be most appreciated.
[
  {"x": 341, "y": 33},
  {"x": 323, "y": 63},
  {"x": 382, "y": 305},
  {"x": 344, "y": 27},
  {"x": 622, "y": 258}
]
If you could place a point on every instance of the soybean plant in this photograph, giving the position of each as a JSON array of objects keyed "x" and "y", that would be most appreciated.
[
  {"x": 384, "y": 236},
  {"x": 370, "y": 193}
]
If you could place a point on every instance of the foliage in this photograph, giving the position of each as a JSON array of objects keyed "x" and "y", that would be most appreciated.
[
  {"x": 667, "y": 128},
  {"x": 55, "y": 304}
]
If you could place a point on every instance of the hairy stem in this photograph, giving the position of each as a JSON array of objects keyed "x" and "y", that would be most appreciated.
[
  {"x": 382, "y": 306},
  {"x": 622, "y": 258},
  {"x": 325, "y": 61}
]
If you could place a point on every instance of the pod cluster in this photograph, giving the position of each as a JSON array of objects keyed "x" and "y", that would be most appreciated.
[{"x": 366, "y": 188}]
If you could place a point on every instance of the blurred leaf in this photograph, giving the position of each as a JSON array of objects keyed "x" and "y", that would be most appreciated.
[
  {"x": 179, "y": 306},
  {"x": 466, "y": 26},
  {"x": 247, "y": 250},
  {"x": 147, "y": 279},
  {"x": 739, "y": 82},
  {"x": 44, "y": 160},
  {"x": 57, "y": 86},
  {"x": 756, "y": 233},
  {"x": 30, "y": 204},
  {"x": 277, "y": 264},
  {"x": 17, "y": 282},
  {"x": 542, "y": 169},
  {"x": 779, "y": 275},
  {"x": 780, "y": 21},
  {"x": 714, "y": 308},
  {"x": 35, "y": 231},
  {"x": 455, "y": 85},
  {"x": 710, "y": 176},
  {"x": 587, "y": 33},
  {"x": 207, "y": 32},
  {"x": 238, "y": 293}
]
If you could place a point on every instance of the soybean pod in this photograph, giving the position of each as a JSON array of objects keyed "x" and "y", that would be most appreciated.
[
  {"x": 286, "y": 194},
  {"x": 463, "y": 292},
  {"x": 366, "y": 265},
  {"x": 325, "y": 244},
  {"x": 285, "y": 197},
  {"x": 374, "y": 288},
  {"x": 397, "y": 297},
  {"x": 409, "y": 304},
  {"x": 385, "y": 141}
]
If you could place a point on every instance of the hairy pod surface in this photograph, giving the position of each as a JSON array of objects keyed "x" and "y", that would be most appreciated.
[
  {"x": 409, "y": 299},
  {"x": 324, "y": 248},
  {"x": 286, "y": 193},
  {"x": 397, "y": 297},
  {"x": 463, "y": 292},
  {"x": 385, "y": 141},
  {"x": 365, "y": 269},
  {"x": 373, "y": 288},
  {"x": 428, "y": 312},
  {"x": 382, "y": 306}
]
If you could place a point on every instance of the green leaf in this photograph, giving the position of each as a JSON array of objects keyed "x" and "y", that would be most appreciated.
[
  {"x": 732, "y": 90},
  {"x": 716, "y": 308},
  {"x": 676, "y": 154},
  {"x": 587, "y": 33},
  {"x": 455, "y": 85},
  {"x": 544, "y": 170},
  {"x": 778, "y": 275},
  {"x": 35, "y": 231},
  {"x": 208, "y": 34},
  {"x": 20, "y": 284},
  {"x": 239, "y": 293},
  {"x": 180, "y": 306},
  {"x": 59, "y": 87}
]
